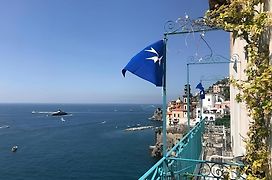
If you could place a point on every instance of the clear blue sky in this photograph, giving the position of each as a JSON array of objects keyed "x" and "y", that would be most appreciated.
[{"x": 72, "y": 51}]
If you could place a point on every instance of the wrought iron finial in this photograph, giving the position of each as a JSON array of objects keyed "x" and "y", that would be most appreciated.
[{"x": 235, "y": 58}]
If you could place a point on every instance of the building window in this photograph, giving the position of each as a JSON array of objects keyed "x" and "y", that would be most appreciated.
[
  {"x": 185, "y": 100},
  {"x": 209, "y": 99},
  {"x": 185, "y": 107},
  {"x": 178, "y": 115},
  {"x": 174, "y": 115}
]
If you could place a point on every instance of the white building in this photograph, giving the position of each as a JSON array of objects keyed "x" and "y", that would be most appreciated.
[
  {"x": 213, "y": 106},
  {"x": 208, "y": 102},
  {"x": 207, "y": 115},
  {"x": 218, "y": 88}
]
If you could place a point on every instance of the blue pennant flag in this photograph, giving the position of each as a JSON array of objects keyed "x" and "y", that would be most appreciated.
[
  {"x": 202, "y": 91},
  {"x": 199, "y": 86},
  {"x": 148, "y": 64}
]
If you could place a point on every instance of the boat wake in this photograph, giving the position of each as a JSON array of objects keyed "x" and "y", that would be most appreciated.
[
  {"x": 4, "y": 126},
  {"x": 41, "y": 112},
  {"x": 138, "y": 128},
  {"x": 62, "y": 119}
]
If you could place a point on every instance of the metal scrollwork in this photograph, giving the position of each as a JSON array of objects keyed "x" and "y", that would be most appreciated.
[
  {"x": 216, "y": 170},
  {"x": 186, "y": 25},
  {"x": 209, "y": 59},
  {"x": 169, "y": 26},
  {"x": 205, "y": 170},
  {"x": 235, "y": 58}
]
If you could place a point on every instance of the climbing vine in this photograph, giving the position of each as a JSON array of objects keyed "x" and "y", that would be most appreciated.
[{"x": 247, "y": 19}]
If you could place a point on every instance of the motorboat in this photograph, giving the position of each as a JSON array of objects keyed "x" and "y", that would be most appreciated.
[
  {"x": 14, "y": 148},
  {"x": 59, "y": 113}
]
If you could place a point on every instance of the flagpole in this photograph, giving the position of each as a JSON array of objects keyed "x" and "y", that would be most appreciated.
[
  {"x": 164, "y": 100},
  {"x": 188, "y": 98},
  {"x": 201, "y": 105}
]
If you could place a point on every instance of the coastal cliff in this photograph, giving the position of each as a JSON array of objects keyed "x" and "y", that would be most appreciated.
[
  {"x": 157, "y": 116},
  {"x": 173, "y": 137}
]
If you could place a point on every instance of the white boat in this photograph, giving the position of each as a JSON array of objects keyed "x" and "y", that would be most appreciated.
[
  {"x": 59, "y": 113},
  {"x": 14, "y": 148}
]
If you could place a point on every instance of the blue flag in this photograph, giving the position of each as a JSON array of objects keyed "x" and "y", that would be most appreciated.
[
  {"x": 199, "y": 86},
  {"x": 148, "y": 64},
  {"x": 202, "y": 91}
]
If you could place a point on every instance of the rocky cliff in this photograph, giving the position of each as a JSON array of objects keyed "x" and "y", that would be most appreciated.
[{"x": 157, "y": 116}]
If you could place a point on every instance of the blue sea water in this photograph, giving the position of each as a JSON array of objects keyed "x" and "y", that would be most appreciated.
[{"x": 90, "y": 143}]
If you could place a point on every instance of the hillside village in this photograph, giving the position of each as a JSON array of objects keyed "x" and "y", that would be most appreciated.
[{"x": 215, "y": 106}]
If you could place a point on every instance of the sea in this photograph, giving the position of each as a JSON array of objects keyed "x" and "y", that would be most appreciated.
[{"x": 88, "y": 143}]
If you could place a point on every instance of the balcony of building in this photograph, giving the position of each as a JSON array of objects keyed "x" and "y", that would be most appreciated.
[{"x": 203, "y": 153}]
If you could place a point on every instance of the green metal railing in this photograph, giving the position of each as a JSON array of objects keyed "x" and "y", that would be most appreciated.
[
  {"x": 184, "y": 161},
  {"x": 190, "y": 147}
]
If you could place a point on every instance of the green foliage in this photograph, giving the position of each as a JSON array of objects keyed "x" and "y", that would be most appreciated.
[
  {"x": 223, "y": 121},
  {"x": 224, "y": 81},
  {"x": 225, "y": 88},
  {"x": 242, "y": 18}
]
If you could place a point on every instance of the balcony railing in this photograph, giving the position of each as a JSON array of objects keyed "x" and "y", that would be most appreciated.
[{"x": 184, "y": 161}]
